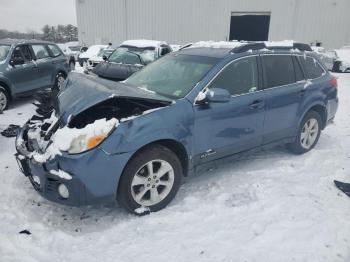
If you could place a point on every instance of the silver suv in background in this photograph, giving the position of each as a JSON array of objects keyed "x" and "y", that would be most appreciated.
[{"x": 29, "y": 65}]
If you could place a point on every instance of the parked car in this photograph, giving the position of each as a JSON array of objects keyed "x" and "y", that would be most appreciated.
[
  {"x": 133, "y": 141},
  {"x": 130, "y": 57},
  {"x": 71, "y": 50},
  {"x": 327, "y": 57},
  {"x": 100, "y": 57},
  {"x": 29, "y": 65},
  {"x": 92, "y": 51},
  {"x": 342, "y": 60}
]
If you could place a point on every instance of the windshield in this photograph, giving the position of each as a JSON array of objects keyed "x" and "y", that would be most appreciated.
[
  {"x": 172, "y": 76},
  {"x": 133, "y": 55},
  {"x": 4, "y": 50},
  {"x": 105, "y": 52}
]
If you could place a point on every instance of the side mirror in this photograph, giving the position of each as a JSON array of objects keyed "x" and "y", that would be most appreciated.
[
  {"x": 213, "y": 95},
  {"x": 105, "y": 58},
  {"x": 17, "y": 61}
]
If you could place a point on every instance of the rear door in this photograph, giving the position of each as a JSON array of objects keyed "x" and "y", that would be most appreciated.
[
  {"x": 23, "y": 77},
  {"x": 45, "y": 63},
  {"x": 284, "y": 85}
]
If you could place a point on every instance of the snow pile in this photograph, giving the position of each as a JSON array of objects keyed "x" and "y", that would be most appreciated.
[
  {"x": 143, "y": 43},
  {"x": 285, "y": 43},
  {"x": 220, "y": 44},
  {"x": 343, "y": 55}
]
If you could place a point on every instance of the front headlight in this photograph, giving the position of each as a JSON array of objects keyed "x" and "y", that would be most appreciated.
[
  {"x": 83, "y": 143},
  {"x": 74, "y": 140}
]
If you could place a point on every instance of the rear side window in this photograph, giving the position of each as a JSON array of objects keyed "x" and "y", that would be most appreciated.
[
  {"x": 54, "y": 50},
  {"x": 240, "y": 77},
  {"x": 40, "y": 51},
  {"x": 312, "y": 67},
  {"x": 278, "y": 70}
]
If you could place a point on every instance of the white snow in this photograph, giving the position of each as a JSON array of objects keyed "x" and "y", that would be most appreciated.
[
  {"x": 202, "y": 95},
  {"x": 265, "y": 206},
  {"x": 92, "y": 51},
  {"x": 142, "y": 43},
  {"x": 285, "y": 43},
  {"x": 62, "y": 174},
  {"x": 219, "y": 44}
]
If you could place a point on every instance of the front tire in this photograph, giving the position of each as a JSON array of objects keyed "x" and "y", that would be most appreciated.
[
  {"x": 308, "y": 133},
  {"x": 4, "y": 99},
  {"x": 150, "y": 180}
]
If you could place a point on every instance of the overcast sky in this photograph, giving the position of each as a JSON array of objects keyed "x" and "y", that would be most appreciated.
[{"x": 26, "y": 15}]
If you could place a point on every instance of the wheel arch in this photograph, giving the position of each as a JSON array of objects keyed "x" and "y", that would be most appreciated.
[
  {"x": 175, "y": 146},
  {"x": 321, "y": 110},
  {"x": 7, "y": 88}
]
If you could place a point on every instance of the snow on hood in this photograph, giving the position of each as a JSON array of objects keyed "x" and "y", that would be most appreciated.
[
  {"x": 65, "y": 137},
  {"x": 220, "y": 44},
  {"x": 92, "y": 51},
  {"x": 142, "y": 43}
]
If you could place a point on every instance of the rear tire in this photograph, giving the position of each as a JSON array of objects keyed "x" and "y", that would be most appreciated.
[
  {"x": 4, "y": 99},
  {"x": 59, "y": 81},
  {"x": 72, "y": 65},
  {"x": 308, "y": 133},
  {"x": 140, "y": 190}
]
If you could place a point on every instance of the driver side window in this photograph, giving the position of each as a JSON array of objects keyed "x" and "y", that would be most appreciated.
[{"x": 240, "y": 77}]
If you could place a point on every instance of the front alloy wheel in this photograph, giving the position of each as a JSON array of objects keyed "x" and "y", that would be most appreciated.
[
  {"x": 152, "y": 183},
  {"x": 150, "y": 180}
]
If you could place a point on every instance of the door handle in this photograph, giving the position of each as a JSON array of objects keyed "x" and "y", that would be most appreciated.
[{"x": 257, "y": 104}]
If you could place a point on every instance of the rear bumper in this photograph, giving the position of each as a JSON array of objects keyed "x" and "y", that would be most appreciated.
[
  {"x": 332, "y": 108},
  {"x": 94, "y": 174}
]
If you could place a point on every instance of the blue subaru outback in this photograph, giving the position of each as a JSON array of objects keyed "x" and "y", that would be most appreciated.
[
  {"x": 27, "y": 66},
  {"x": 133, "y": 141}
]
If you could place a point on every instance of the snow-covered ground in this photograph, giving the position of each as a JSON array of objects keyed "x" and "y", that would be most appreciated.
[{"x": 266, "y": 206}]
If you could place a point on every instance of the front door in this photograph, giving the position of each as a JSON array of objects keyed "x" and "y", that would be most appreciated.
[
  {"x": 24, "y": 76},
  {"x": 222, "y": 129}
]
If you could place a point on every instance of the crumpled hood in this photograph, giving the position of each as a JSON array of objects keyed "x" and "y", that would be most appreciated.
[
  {"x": 115, "y": 71},
  {"x": 83, "y": 91}
]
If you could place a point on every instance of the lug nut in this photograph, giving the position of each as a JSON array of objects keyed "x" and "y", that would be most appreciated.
[
  {"x": 148, "y": 185},
  {"x": 153, "y": 186},
  {"x": 157, "y": 181},
  {"x": 149, "y": 179},
  {"x": 154, "y": 177}
]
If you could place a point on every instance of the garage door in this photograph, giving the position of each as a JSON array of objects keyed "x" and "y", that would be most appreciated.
[{"x": 250, "y": 26}]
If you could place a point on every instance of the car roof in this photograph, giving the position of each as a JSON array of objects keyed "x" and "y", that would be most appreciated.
[
  {"x": 206, "y": 51},
  {"x": 223, "y": 48},
  {"x": 10, "y": 41}
]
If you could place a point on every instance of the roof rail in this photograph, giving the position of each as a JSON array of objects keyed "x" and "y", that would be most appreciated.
[{"x": 262, "y": 45}]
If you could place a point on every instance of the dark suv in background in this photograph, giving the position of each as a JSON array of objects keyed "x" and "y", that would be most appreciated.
[{"x": 29, "y": 65}]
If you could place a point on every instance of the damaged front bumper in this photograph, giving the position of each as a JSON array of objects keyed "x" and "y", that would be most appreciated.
[{"x": 92, "y": 177}]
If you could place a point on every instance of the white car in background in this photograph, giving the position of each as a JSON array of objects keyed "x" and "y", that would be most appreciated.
[
  {"x": 100, "y": 57},
  {"x": 342, "y": 60},
  {"x": 71, "y": 50},
  {"x": 89, "y": 53}
]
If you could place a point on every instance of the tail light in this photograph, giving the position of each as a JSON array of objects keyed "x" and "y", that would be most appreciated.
[{"x": 334, "y": 82}]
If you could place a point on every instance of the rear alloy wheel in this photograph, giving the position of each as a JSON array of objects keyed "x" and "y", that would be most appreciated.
[
  {"x": 72, "y": 65},
  {"x": 4, "y": 99},
  {"x": 150, "y": 180},
  {"x": 60, "y": 78},
  {"x": 308, "y": 134}
]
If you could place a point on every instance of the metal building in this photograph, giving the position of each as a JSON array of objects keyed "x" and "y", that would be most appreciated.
[{"x": 184, "y": 21}]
